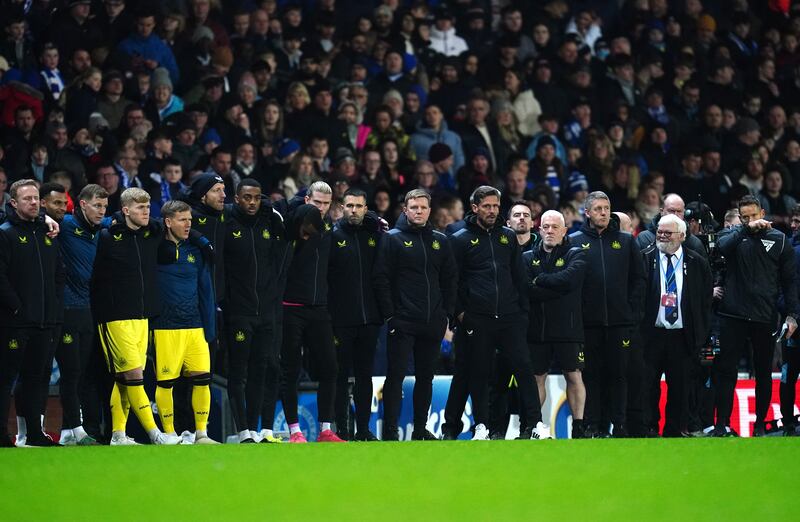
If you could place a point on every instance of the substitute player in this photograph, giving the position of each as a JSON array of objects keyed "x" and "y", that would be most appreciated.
[
  {"x": 186, "y": 325},
  {"x": 124, "y": 297}
]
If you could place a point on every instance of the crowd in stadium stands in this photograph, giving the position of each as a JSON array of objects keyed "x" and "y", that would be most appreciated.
[{"x": 287, "y": 181}]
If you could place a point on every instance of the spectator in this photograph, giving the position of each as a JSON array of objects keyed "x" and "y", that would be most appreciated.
[{"x": 435, "y": 130}]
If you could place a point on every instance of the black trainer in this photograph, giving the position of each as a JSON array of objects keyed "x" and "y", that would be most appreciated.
[
  {"x": 497, "y": 435},
  {"x": 525, "y": 434},
  {"x": 40, "y": 441},
  {"x": 364, "y": 436},
  {"x": 5, "y": 441},
  {"x": 423, "y": 434},
  {"x": 449, "y": 435},
  {"x": 390, "y": 434},
  {"x": 578, "y": 429},
  {"x": 722, "y": 431},
  {"x": 344, "y": 435},
  {"x": 620, "y": 432}
]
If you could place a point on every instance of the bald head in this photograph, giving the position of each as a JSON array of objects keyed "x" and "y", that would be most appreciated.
[
  {"x": 673, "y": 204},
  {"x": 625, "y": 224}
]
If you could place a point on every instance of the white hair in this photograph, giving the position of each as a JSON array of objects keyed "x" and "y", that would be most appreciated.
[
  {"x": 556, "y": 214},
  {"x": 672, "y": 218}
]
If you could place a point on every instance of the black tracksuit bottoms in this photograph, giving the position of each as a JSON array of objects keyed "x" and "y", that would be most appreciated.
[
  {"x": 250, "y": 351},
  {"x": 607, "y": 350},
  {"x": 24, "y": 353},
  {"x": 405, "y": 338},
  {"x": 355, "y": 350},
  {"x": 308, "y": 328},
  {"x": 481, "y": 336},
  {"x": 733, "y": 342},
  {"x": 79, "y": 373}
]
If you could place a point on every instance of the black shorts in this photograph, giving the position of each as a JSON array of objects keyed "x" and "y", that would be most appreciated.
[{"x": 568, "y": 357}]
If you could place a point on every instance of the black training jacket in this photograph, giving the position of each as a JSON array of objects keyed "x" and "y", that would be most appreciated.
[
  {"x": 307, "y": 275},
  {"x": 211, "y": 224},
  {"x": 353, "y": 252},
  {"x": 31, "y": 275},
  {"x": 415, "y": 277},
  {"x": 124, "y": 281},
  {"x": 252, "y": 271},
  {"x": 760, "y": 266},
  {"x": 555, "y": 280},
  {"x": 613, "y": 289},
  {"x": 491, "y": 276}
]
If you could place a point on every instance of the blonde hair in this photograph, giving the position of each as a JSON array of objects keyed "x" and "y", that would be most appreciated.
[{"x": 133, "y": 195}]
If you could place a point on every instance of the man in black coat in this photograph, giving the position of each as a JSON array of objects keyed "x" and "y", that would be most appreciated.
[
  {"x": 354, "y": 309},
  {"x": 31, "y": 302},
  {"x": 612, "y": 301},
  {"x": 415, "y": 283},
  {"x": 676, "y": 321},
  {"x": 760, "y": 265},
  {"x": 491, "y": 311},
  {"x": 556, "y": 270}
]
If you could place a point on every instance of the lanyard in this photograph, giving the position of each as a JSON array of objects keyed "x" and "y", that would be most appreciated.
[{"x": 676, "y": 266}]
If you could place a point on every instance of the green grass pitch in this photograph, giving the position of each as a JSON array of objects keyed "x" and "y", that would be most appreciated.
[{"x": 644, "y": 479}]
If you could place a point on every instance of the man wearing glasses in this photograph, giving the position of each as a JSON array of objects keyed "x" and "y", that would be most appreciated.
[{"x": 676, "y": 323}]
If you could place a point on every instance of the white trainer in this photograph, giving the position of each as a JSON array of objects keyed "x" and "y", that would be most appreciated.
[
  {"x": 167, "y": 439},
  {"x": 187, "y": 437},
  {"x": 481, "y": 432},
  {"x": 120, "y": 439},
  {"x": 68, "y": 439},
  {"x": 541, "y": 431},
  {"x": 205, "y": 440}
]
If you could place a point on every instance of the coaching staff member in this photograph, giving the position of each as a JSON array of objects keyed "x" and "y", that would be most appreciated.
[
  {"x": 492, "y": 310},
  {"x": 354, "y": 309},
  {"x": 415, "y": 282},
  {"x": 760, "y": 265},
  {"x": 612, "y": 301},
  {"x": 676, "y": 322},
  {"x": 556, "y": 270},
  {"x": 31, "y": 301}
]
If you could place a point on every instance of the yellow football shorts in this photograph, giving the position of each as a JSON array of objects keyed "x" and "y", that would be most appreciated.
[
  {"x": 179, "y": 351},
  {"x": 124, "y": 344}
]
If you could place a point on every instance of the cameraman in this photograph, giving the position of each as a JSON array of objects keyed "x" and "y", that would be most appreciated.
[
  {"x": 760, "y": 264},
  {"x": 790, "y": 367}
]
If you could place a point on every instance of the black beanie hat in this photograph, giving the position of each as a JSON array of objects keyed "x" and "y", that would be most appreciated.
[{"x": 202, "y": 183}]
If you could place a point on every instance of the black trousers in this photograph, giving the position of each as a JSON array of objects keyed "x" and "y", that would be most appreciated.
[
  {"x": 355, "y": 351},
  {"x": 424, "y": 342},
  {"x": 607, "y": 350},
  {"x": 79, "y": 382},
  {"x": 482, "y": 336},
  {"x": 635, "y": 416},
  {"x": 24, "y": 353},
  {"x": 308, "y": 328},
  {"x": 249, "y": 341},
  {"x": 668, "y": 354},
  {"x": 788, "y": 391},
  {"x": 733, "y": 341},
  {"x": 272, "y": 375}
]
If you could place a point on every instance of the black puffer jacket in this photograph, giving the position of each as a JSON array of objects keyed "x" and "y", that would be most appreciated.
[
  {"x": 491, "y": 275},
  {"x": 415, "y": 278},
  {"x": 613, "y": 289},
  {"x": 353, "y": 253},
  {"x": 760, "y": 266},
  {"x": 555, "y": 280},
  {"x": 31, "y": 275}
]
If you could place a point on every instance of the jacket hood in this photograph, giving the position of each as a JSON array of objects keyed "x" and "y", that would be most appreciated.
[
  {"x": 303, "y": 214},
  {"x": 613, "y": 226},
  {"x": 403, "y": 224},
  {"x": 472, "y": 223}
]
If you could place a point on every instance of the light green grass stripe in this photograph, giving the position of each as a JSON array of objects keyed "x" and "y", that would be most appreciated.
[{"x": 720, "y": 479}]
